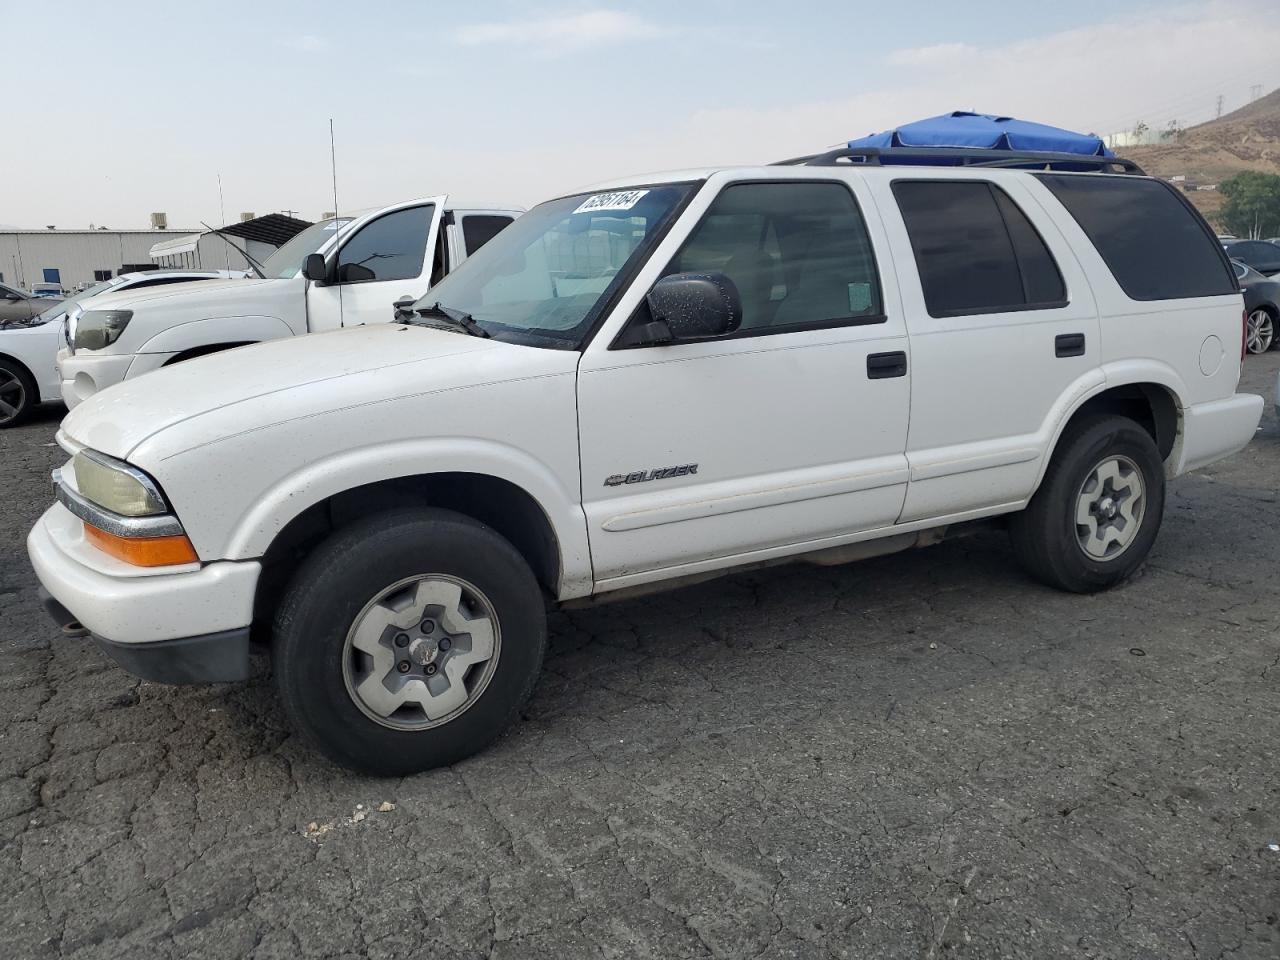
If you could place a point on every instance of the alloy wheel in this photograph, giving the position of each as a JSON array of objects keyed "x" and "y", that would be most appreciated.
[
  {"x": 1259, "y": 331},
  {"x": 1110, "y": 508},
  {"x": 421, "y": 652},
  {"x": 13, "y": 396}
]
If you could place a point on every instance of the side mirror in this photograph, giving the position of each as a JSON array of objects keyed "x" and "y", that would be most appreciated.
[
  {"x": 354, "y": 273},
  {"x": 693, "y": 306},
  {"x": 404, "y": 308},
  {"x": 314, "y": 268}
]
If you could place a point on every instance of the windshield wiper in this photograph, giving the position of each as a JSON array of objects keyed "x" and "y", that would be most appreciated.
[{"x": 457, "y": 320}]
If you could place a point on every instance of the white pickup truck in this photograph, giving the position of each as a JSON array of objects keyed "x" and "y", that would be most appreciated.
[
  {"x": 637, "y": 386},
  {"x": 341, "y": 272}
]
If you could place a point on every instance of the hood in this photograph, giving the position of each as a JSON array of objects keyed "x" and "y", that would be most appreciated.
[
  {"x": 228, "y": 393},
  {"x": 175, "y": 293}
]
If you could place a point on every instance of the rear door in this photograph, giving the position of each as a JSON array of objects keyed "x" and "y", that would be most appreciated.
[
  {"x": 385, "y": 259},
  {"x": 1003, "y": 327},
  {"x": 787, "y": 435}
]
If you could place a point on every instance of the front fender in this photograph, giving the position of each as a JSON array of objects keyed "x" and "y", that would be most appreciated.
[
  {"x": 212, "y": 331},
  {"x": 252, "y": 533}
]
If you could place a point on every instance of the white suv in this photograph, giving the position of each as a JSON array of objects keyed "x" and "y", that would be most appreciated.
[{"x": 637, "y": 386}]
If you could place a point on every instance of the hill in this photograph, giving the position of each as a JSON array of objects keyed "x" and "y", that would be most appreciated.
[{"x": 1246, "y": 139}]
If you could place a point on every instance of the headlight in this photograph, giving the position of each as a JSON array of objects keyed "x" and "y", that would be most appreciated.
[
  {"x": 95, "y": 329},
  {"x": 69, "y": 328},
  {"x": 116, "y": 486}
]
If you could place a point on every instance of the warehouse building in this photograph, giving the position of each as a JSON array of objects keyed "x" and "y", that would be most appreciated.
[{"x": 77, "y": 258}]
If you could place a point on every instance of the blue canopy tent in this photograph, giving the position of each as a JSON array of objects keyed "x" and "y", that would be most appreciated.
[{"x": 979, "y": 131}]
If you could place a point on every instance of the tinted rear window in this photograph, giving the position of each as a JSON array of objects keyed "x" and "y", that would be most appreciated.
[
  {"x": 1156, "y": 247},
  {"x": 975, "y": 249}
]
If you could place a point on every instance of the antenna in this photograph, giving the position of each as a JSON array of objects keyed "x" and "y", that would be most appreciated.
[
  {"x": 333, "y": 166},
  {"x": 1255, "y": 92},
  {"x": 1219, "y": 113},
  {"x": 222, "y": 210}
]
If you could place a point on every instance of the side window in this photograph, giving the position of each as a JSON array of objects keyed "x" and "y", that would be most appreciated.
[
  {"x": 479, "y": 229},
  {"x": 975, "y": 249},
  {"x": 798, "y": 253},
  {"x": 1151, "y": 240},
  {"x": 392, "y": 247}
]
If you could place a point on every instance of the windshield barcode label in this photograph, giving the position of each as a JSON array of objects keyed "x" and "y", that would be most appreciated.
[{"x": 611, "y": 201}]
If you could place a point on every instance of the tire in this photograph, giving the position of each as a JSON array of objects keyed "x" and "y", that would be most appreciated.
[
  {"x": 337, "y": 694},
  {"x": 18, "y": 395},
  {"x": 1097, "y": 455},
  {"x": 1260, "y": 330}
]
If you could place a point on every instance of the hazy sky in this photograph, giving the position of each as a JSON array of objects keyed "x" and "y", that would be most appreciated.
[{"x": 118, "y": 109}]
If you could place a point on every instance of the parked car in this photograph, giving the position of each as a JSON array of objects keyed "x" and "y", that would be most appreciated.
[
  {"x": 51, "y": 291},
  {"x": 29, "y": 344},
  {"x": 335, "y": 273},
  {"x": 1262, "y": 255},
  {"x": 18, "y": 305},
  {"x": 1261, "y": 306},
  {"x": 641, "y": 385}
]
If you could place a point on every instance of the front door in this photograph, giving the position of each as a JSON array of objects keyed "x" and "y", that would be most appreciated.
[
  {"x": 784, "y": 436},
  {"x": 378, "y": 263}
]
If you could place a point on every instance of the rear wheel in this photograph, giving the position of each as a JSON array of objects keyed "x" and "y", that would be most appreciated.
[
  {"x": 1259, "y": 331},
  {"x": 408, "y": 641},
  {"x": 17, "y": 394},
  {"x": 1098, "y": 509}
]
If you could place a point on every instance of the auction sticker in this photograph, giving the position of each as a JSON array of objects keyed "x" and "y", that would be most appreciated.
[{"x": 624, "y": 200}]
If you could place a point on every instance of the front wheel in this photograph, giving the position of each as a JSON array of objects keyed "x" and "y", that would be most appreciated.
[
  {"x": 408, "y": 641},
  {"x": 1259, "y": 331},
  {"x": 1098, "y": 509}
]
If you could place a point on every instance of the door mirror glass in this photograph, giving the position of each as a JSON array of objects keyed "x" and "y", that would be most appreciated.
[
  {"x": 314, "y": 268},
  {"x": 693, "y": 306}
]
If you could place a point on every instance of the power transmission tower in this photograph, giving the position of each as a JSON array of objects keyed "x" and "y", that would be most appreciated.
[
  {"x": 1219, "y": 113},
  {"x": 1255, "y": 92}
]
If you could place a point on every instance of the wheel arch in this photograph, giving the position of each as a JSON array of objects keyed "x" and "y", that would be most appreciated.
[
  {"x": 210, "y": 331},
  {"x": 204, "y": 350},
  {"x": 1152, "y": 403},
  {"x": 495, "y": 501}
]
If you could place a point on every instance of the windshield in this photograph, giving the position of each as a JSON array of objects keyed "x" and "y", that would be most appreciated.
[
  {"x": 541, "y": 279},
  {"x": 62, "y": 306},
  {"x": 287, "y": 261}
]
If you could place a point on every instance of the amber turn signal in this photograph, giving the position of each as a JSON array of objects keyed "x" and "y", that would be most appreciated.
[{"x": 143, "y": 551}]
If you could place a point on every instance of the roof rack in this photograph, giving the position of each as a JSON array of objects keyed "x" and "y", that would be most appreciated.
[{"x": 964, "y": 157}]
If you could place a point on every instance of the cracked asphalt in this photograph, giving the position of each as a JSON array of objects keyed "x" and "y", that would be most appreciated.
[{"x": 924, "y": 755}]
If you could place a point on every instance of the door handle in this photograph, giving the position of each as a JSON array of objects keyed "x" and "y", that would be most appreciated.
[
  {"x": 882, "y": 366},
  {"x": 1068, "y": 345}
]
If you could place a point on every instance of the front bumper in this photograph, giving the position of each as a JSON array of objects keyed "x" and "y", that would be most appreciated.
[
  {"x": 85, "y": 373},
  {"x": 212, "y": 658},
  {"x": 1214, "y": 430},
  {"x": 191, "y": 623}
]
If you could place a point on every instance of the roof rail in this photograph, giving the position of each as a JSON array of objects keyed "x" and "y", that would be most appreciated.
[{"x": 964, "y": 157}]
